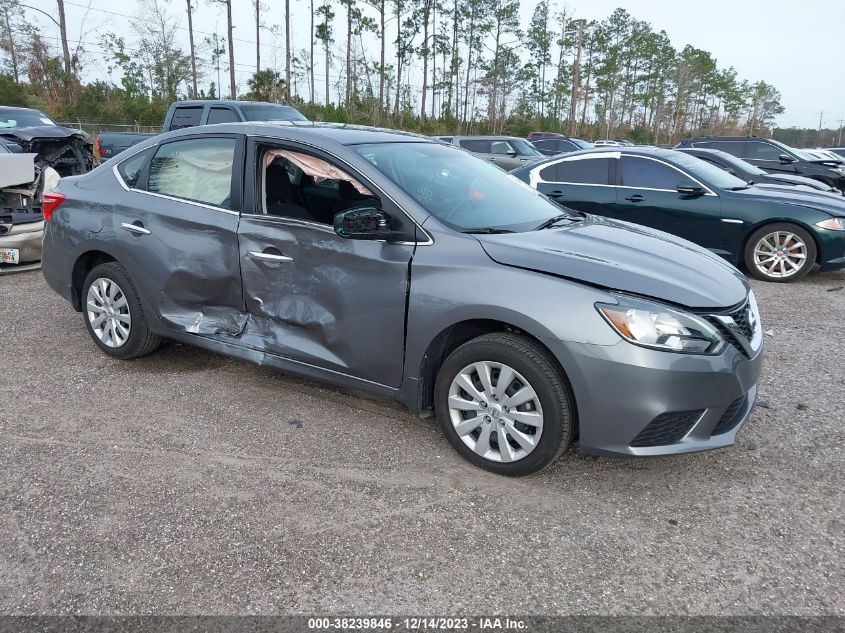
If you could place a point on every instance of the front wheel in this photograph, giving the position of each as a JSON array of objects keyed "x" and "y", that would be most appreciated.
[
  {"x": 504, "y": 404},
  {"x": 780, "y": 252}
]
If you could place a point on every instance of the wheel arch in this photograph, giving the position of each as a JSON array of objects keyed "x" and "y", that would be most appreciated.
[
  {"x": 455, "y": 335},
  {"x": 84, "y": 264}
]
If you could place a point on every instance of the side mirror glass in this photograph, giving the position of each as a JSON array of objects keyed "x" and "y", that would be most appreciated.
[
  {"x": 363, "y": 223},
  {"x": 786, "y": 158},
  {"x": 690, "y": 188}
]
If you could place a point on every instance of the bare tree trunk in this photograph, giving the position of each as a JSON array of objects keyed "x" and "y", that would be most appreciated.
[
  {"x": 380, "y": 110},
  {"x": 233, "y": 91},
  {"x": 433, "y": 55},
  {"x": 63, "y": 33},
  {"x": 348, "y": 53},
  {"x": 576, "y": 77},
  {"x": 287, "y": 48},
  {"x": 399, "y": 55},
  {"x": 327, "y": 73},
  {"x": 426, "y": 15},
  {"x": 469, "y": 66},
  {"x": 257, "y": 36},
  {"x": 193, "y": 51},
  {"x": 312, "y": 48}
]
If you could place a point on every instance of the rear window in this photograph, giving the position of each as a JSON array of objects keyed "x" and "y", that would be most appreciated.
[
  {"x": 584, "y": 171},
  {"x": 199, "y": 170},
  {"x": 185, "y": 117}
]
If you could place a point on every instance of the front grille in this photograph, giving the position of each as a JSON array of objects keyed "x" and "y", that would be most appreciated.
[
  {"x": 740, "y": 317},
  {"x": 667, "y": 428},
  {"x": 731, "y": 417}
]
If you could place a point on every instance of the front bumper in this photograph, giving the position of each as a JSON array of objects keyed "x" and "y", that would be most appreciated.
[
  {"x": 634, "y": 401},
  {"x": 27, "y": 238},
  {"x": 831, "y": 249}
]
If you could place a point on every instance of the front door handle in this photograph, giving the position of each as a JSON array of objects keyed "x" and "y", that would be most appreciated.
[
  {"x": 557, "y": 193},
  {"x": 136, "y": 228},
  {"x": 635, "y": 198},
  {"x": 269, "y": 257}
]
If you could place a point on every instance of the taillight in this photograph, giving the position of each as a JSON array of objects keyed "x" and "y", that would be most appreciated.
[
  {"x": 50, "y": 203},
  {"x": 99, "y": 147}
]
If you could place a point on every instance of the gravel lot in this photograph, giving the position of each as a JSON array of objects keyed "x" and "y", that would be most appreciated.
[{"x": 188, "y": 483}]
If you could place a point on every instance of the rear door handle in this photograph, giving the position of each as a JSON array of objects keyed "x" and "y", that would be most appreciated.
[
  {"x": 269, "y": 257},
  {"x": 635, "y": 198},
  {"x": 137, "y": 228}
]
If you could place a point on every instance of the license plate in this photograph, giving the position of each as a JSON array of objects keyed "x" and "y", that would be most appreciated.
[{"x": 9, "y": 256}]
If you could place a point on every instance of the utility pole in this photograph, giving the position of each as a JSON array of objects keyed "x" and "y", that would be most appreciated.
[
  {"x": 821, "y": 114},
  {"x": 839, "y": 142},
  {"x": 257, "y": 36},
  {"x": 576, "y": 78},
  {"x": 193, "y": 52}
]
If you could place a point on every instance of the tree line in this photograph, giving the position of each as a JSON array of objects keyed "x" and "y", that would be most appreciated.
[{"x": 435, "y": 66}]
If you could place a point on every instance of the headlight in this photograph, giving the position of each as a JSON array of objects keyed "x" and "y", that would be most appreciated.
[
  {"x": 834, "y": 224},
  {"x": 661, "y": 327}
]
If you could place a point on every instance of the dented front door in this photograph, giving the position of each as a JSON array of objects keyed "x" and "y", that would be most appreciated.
[{"x": 317, "y": 298}]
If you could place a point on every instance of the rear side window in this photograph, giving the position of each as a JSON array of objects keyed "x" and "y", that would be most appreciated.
[
  {"x": 222, "y": 115},
  {"x": 585, "y": 171},
  {"x": 186, "y": 117},
  {"x": 647, "y": 174},
  {"x": 480, "y": 146},
  {"x": 130, "y": 169},
  {"x": 199, "y": 170}
]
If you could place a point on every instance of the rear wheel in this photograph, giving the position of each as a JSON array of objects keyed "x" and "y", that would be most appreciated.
[
  {"x": 780, "y": 252},
  {"x": 113, "y": 313},
  {"x": 504, "y": 404}
]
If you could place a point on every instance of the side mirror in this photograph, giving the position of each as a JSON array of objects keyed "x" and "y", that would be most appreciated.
[
  {"x": 363, "y": 223},
  {"x": 690, "y": 188},
  {"x": 785, "y": 159},
  {"x": 511, "y": 153}
]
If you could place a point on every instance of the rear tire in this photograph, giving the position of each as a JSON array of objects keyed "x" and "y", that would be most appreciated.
[
  {"x": 517, "y": 427},
  {"x": 113, "y": 313},
  {"x": 780, "y": 252}
]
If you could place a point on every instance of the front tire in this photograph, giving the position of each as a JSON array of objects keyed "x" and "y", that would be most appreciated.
[
  {"x": 504, "y": 404},
  {"x": 780, "y": 252},
  {"x": 113, "y": 313}
]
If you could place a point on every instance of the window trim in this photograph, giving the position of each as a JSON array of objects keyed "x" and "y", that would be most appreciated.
[{"x": 236, "y": 194}]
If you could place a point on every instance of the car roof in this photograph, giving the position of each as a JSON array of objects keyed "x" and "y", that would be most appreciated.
[
  {"x": 232, "y": 102},
  {"x": 18, "y": 109},
  {"x": 314, "y": 131},
  {"x": 657, "y": 152},
  {"x": 492, "y": 137}
]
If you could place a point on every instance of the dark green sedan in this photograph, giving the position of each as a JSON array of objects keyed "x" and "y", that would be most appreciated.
[{"x": 779, "y": 234}]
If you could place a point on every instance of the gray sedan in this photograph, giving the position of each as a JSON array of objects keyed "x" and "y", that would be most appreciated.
[{"x": 399, "y": 265}]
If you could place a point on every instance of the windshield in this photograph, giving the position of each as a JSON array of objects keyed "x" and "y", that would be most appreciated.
[
  {"x": 708, "y": 173},
  {"x": 270, "y": 112},
  {"x": 582, "y": 144},
  {"x": 24, "y": 118},
  {"x": 801, "y": 155},
  {"x": 524, "y": 148},
  {"x": 463, "y": 191}
]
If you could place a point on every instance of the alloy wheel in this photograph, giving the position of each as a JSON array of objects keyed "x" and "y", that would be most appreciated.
[
  {"x": 108, "y": 312},
  {"x": 780, "y": 254},
  {"x": 495, "y": 411}
]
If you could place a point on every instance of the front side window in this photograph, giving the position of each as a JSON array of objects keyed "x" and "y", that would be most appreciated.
[
  {"x": 582, "y": 171},
  {"x": 221, "y": 115},
  {"x": 458, "y": 189},
  {"x": 643, "y": 173},
  {"x": 199, "y": 170},
  {"x": 185, "y": 117},
  {"x": 130, "y": 169},
  {"x": 763, "y": 151},
  {"x": 501, "y": 147}
]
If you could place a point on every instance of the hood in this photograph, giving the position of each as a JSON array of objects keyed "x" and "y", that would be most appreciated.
[
  {"x": 832, "y": 203},
  {"x": 44, "y": 132},
  {"x": 625, "y": 257},
  {"x": 792, "y": 179}
]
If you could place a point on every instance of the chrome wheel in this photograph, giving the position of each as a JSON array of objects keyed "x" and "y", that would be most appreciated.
[
  {"x": 108, "y": 312},
  {"x": 780, "y": 254},
  {"x": 495, "y": 411}
]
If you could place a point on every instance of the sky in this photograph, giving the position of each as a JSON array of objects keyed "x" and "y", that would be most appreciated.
[{"x": 796, "y": 46}]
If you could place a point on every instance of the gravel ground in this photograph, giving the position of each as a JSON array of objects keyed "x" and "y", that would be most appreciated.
[{"x": 189, "y": 483}]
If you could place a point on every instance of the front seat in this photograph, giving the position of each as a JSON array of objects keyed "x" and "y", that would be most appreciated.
[{"x": 281, "y": 194}]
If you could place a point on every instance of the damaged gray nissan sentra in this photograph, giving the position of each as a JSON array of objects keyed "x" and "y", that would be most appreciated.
[{"x": 392, "y": 263}]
